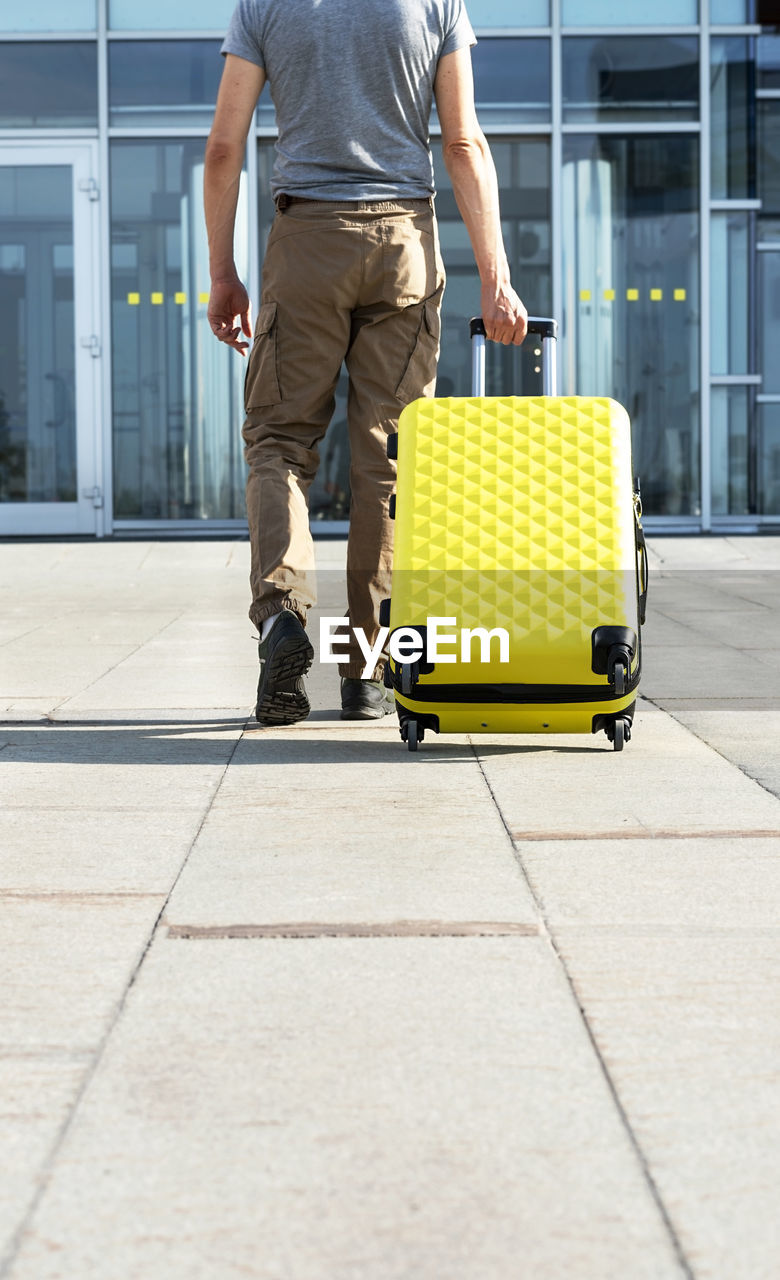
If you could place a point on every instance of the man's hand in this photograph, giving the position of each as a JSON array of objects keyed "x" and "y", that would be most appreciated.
[
  {"x": 228, "y": 303},
  {"x": 505, "y": 317}
]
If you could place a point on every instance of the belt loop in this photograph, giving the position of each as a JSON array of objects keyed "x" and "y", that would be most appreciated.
[{"x": 282, "y": 201}]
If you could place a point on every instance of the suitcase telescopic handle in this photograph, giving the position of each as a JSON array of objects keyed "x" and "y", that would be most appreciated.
[{"x": 539, "y": 327}]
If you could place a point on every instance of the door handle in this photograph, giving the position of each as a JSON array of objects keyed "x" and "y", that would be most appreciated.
[{"x": 92, "y": 344}]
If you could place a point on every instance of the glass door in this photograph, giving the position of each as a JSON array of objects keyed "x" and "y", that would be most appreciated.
[{"x": 50, "y": 343}]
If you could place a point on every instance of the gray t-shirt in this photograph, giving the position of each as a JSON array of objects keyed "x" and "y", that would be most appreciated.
[{"x": 352, "y": 84}]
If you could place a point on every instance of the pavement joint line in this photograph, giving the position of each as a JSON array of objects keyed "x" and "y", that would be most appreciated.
[
  {"x": 647, "y": 833},
  {"x": 546, "y": 931},
  {"x": 8, "y": 1258},
  {"x": 688, "y": 728},
  {"x": 139, "y": 645},
  {"x": 393, "y": 929}
]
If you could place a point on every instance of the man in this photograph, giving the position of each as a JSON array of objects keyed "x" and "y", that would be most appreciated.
[{"x": 353, "y": 274}]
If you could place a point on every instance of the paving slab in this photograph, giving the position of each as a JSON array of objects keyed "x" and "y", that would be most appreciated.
[
  {"x": 424, "y": 845},
  {"x": 115, "y": 766},
  {"x": 89, "y": 850},
  {"x": 695, "y": 883},
  {"x": 65, "y": 961},
  {"x": 690, "y": 1030},
  {"x": 752, "y": 552},
  {"x": 743, "y": 628},
  {"x": 38, "y": 1090},
  {"x": 91, "y": 626},
  {"x": 418, "y": 1107},
  {"x": 407, "y": 1099},
  {"x": 746, "y": 732},
  {"x": 53, "y": 669},
  {"x": 707, "y": 670},
  {"x": 664, "y": 781}
]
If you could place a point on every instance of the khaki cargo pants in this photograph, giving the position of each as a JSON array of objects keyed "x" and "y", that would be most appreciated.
[{"x": 359, "y": 283}]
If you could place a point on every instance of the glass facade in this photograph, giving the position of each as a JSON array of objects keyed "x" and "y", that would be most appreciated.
[
  {"x": 47, "y": 85},
  {"x": 50, "y": 15},
  {"x": 630, "y": 269},
  {"x": 37, "y": 402},
  {"x": 638, "y": 155},
  {"x": 176, "y": 392}
]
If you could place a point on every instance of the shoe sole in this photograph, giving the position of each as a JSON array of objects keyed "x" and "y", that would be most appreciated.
[
  {"x": 281, "y": 696},
  {"x": 369, "y": 713}
]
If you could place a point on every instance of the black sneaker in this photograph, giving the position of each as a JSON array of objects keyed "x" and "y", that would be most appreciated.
[
  {"x": 285, "y": 656},
  {"x": 365, "y": 699}
]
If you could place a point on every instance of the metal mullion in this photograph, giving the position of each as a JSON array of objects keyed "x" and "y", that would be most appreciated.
[
  {"x": 705, "y": 301},
  {"x": 162, "y": 131},
  {"x": 735, "y": 206},
  {"x": 635, "y": 127},
  {"x": 104, "y": 443},
  {"x": 46, "y": 135},
  {"x": 166, "y": 35},
  {"x": 736, "y": 380},
  {"x": 630, "y": 32},
  {"x": 491, "y": 129},
  {"x": 531, "y": 33},
  {"x": 748, "y": 29},
  {"x": 179, "y": 526},
  {"x": 556, "y": 171},
  {"x": 46, "y": 37}
]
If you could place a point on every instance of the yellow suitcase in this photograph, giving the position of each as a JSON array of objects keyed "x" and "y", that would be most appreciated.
[{"x": 519, "y": 571}]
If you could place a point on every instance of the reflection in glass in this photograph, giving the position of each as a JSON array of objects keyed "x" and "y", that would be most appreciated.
[
  {"x": 631, "y": 288},
  {"x": 170, "y": 15},
  {"x": 174, "y": 82},
  {"x": 178, "y": 402},
  {"x": 726, "y": 12},
  {"x": 49, "y": 15},
  {"x": 48, "y": 84},
  {"x": 729, "y": 292},
  {"x": 769, "y": 157},
  {"x": 37, "y": 350},
  {"x": 768, "y": 61},
  {"x": 523, "y": 166},
  {"x": 769, "y": 459},
  {"x": 732, "y": 84},
  {"x": 769, "y": 320},
  {"x": 630, "y": 78},
  {"x": 508, "y": 13},
  {"x": 629, "y": 13},
  {"x": 512, "y": 80},
  {"x": 729, "y": 417}
]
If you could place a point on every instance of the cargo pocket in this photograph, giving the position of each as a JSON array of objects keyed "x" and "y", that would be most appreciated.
[
  {"x": 261, "y": 385},
  {"x": 421, "y": 368}
]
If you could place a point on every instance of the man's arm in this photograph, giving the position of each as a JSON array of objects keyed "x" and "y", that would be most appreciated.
[
  {"x": 471, "y": 169},
  {"x": 241, "y": 86}
]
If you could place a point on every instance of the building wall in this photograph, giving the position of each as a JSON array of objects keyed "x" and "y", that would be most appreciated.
[{"x": 639, "y": 166}]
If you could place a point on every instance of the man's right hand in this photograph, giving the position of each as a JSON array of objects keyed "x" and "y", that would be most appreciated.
[
  {"x": 228, "y": 303},
  {"x": 505, "y": 317}
]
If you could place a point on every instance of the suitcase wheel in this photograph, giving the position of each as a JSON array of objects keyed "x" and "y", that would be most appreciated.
[
  {"x": 620, "y": 682},
  {"x": 411, "y": 733},
  {"x": 621, "y": 733}
]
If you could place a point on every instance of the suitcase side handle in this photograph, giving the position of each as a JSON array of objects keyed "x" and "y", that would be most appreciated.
[{"x": 539, "y": 326}]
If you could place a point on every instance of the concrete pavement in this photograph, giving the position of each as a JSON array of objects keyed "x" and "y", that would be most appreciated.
[{"x": 296, "y": 1005}]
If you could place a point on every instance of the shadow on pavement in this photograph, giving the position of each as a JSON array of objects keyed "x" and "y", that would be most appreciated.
[{"x": 205, "y": 742}]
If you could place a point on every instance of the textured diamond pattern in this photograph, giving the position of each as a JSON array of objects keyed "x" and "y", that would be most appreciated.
[{"x": 517, "y": 512}]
